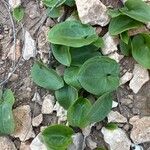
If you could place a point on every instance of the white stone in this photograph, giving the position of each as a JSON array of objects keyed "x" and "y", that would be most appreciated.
[
  {"x": 114, "y": 104},
  {"x": 110, "y": 44},
  {"x": 125, "y": 78},
  {"x": 22, "y": 116},
  {"x": 29, "y": 49},
  {"x": 48, "y": 104},
  {"x": 117, "y": 139},
  {"x": 6, "y": 144},
  {"x": 140, "y": 132},
  {"x": 115, "y": 56},
  {"x": 93, "y": 12},
  {"x": 87, "y": 130},
  {"x": 140, "y": 77},
  {"x": 137, "y": 147},
  {"x": 61, "y": 113},
  {"x": 37, "y": 120},
  {"x": 90, "y": 143},
  {"x": 37, "y": 98},
  {"x": 115, "y": 116},
  {"x": 37, "y": 144},
  {"x": 14, "y": 3}
]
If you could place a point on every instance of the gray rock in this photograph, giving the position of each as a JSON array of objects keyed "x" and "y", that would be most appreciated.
[
  {"x": 37, "y": 120},
  {"x": 36, "y": 98},
  {"x": 90, "y": 143},
  {"x": 125, "y": 78},
  {"x": 14, "y": 3}
]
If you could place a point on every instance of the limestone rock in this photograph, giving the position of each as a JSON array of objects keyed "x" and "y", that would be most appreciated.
[
  {"x": 114, "y": 104},
  {"x": 22, "y": 116},
  {"x": 140, "y": 132},
  {"x": 117, "y": 139},
  {"x": 37, "y": 120},
  {"x": 6, "y": 144},
  {"x": 115, "y": 116},
  {"x": 14, "y": 3},
  {"x": 140, "y": 77},
  {"x": 125, "y": 78},
  {"x": 90, "y": 143},
  {"x": 93, "y": 12},
  {"x": 115, "y": 56}
]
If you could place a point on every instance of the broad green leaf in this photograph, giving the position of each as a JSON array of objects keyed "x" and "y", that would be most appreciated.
[
  {"x": 7, "y": 124},
  {"x": 70, "y": 2},
  {"x": 54, "y": 13},
  {"x": 81, "y": 54},
  {"x": 71, "y": 77},
  {"x": 62, "y": 54},
  {"x": 111, "y": 126},
  {"x": 114, "y": 13},
  {"x": 141, "y": 49},
  {"x": 66, "y": 96},
  {"x": 18, "y": 13},
  {"x": 122, "y": 23},
  {"x": 77, "y": 113},
  {"x": 125, "y": 37},
  {"x": 126, "y": 49},
  {"x": 99, "y": 75},
  {"x": 100, "y": 108},
  {"x": 53, "y": 3},
  {"x": 137, "y": 10},
  {"x": 45, "y": 77},
  {"x": 98, "y": 43},
  {"x": 57, "y": 137},
  {"x": 72, "y": 33}
]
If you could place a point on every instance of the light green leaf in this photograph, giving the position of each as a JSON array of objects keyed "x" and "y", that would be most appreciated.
[
  {"x": 45, "y": 77},
  {"x": 72, "y": 33},
  {"x": 141, "y": 49},
  {"x": 99, "y": 75},
  {"x": 114, "y": 13},
  {"x": 98, "y": 43},
  {"x": 54, "y": 13},
  {"x": 125, "y": 37},
  {"x": 100, "y": 108},
  {"x": 7, "y": 124},
  {"x": 71, "y": 77},
  {"x": 122, "y": 23},
  {"x": 111, "y": 126},
  {"x": 137, "y": 10},
  {"x": 62, "y": 54},
  {"x": 66, "y": 96},
  {"x": 77, "y": 113},
  {"x": 18, "y": 13},
  {"x": 53, "y": 3},
  {"x": 57, "y": 137}
]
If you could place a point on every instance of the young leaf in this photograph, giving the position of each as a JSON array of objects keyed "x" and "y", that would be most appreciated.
[
  {"x": 99, "y": 75},
  {"x": 126, "y": 49},
  {"x": 122, "y": 23},
  {"x": 138, "y": 10},
  {"x": 111, "y": 126},
  {"x": 100, "y": 108},
  {"x": 141, "y": 49},
  {"x": 77, "y": 113},
  {"x": 72, "y": 33},
  {"x": 7, "y": 124},
  {"x": 18, "y": 13},
  {"x": 66, "y": 96},
  {"x": 54, "y": 13},
  {"x": 62, "y": 54},
  {"x": 57, "y": 137},
  {"x": 45, "y": 77},
  {"x": 71, "y": 77},
  {"x": 53, "y": 3},
  {"x": 125, "y": 37}
]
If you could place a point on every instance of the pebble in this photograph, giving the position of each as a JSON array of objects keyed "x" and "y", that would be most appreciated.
[
  {"x": 125, "y": 78},
  {"x": 90, "y": 143},
  {"x": 37, "y": 98},
  {"x": 13, "y": 77},
  {"x": 37, "y": 120}
]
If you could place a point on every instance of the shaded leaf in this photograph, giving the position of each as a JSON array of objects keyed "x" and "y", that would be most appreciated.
[
  {"x": 126, "y": 49},
  {"x": 70, "y": 2},
  {"x": 54, "y": 13},
  {"x": 53, "y": 3},
  {"x": 125, "y": 37}
]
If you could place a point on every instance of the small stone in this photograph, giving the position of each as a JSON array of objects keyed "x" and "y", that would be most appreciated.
[
  {"x": 6, "y": 144},
  {"x": 90, "y": 143},
  {"x": 22, "y": 116},
  {"x": 37, "y": 120},
  {"x": 48, "y": 104},
  {"x": 126, "y": 127},
  {"x": 49, "y": 22},
  {"x": 115, "y": 56},
  {"x": 33, "y": 12},
  {"x": 93, "y": 12},
  {"x": 37, "y": 98},
  {"x": 140, "y": 132},
  {"x": 1, "y": 36},
  {"x": 114, "y": 104},
  {"x": 117, "y": 139},
  {"x": 87, "y": 130},
  {"x": 14, "y": 3},
  {"x": 24, "y": 146},
  {"x": 140, "y": 77},
  {"x": 13, "y": 77},
  {"x": 126, "y": 101},
  {"x": 110, "y": 44},
  {"x": 115, "y": 116},
  {"x": 125, "y": 78}
]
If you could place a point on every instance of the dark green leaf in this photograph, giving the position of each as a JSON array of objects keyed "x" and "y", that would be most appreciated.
[
  {"x": 77, "y": 113},
  {"x": 99, "y": 75},
  {"x": 57, "y": 137},
  {"x": 7, "y": 124},
  {"x": 111, "y": 126},
  {"x": 100, "y": 108},
  {"x": 72, "y": 33},
  {"x": 18, "y": 13},
  {"x": 66, "y": 96},
  {"x": 125, "y": 37},
  {"x": 45, "y": 77},
  {"x": 53, "y": 3},
  {"x": 54, "y": 13},
  {"x": 126, "y": 49},
  {"x": 70, "y": 2},
  {"x": 62, "y": 54}
]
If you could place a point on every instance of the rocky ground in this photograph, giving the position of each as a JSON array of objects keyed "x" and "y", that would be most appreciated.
[{"x": 36, "y": 108}]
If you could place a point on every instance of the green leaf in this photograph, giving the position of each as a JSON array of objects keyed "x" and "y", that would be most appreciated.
[
  {"x": 57, "y": 137},
  {"x": 72, "y": 33},
  {"x": 54, "y": 13},
  {"x": 100, "y": 108},
  {"x": 45, "y": 77},
  {"x": 53, "y": 3},
  {"x": 7, "y": 124},
  {"x": 18, "y": 13},
  {"x": 126, "y": 49},
  {"x": 77, "y": 113},
  {"x": 141, "y": 49},
  {"x": 66, "y": 96},
  {"x": 111, "y": 126},
  {"x": 137, "y": 10},
  {"x": 114, "y": 13},
  {"x": 62, "y": 54},
  {"x": 98, "y": 43},
  {"x": 71, "y": 77},
  {"x": 81, "y": 54},
  {"x": 125, "y": 37},
  {"x": 70, "y": 2},
  {"x": 99, "y": 75},
  {"x": 122, "y": 23}
]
